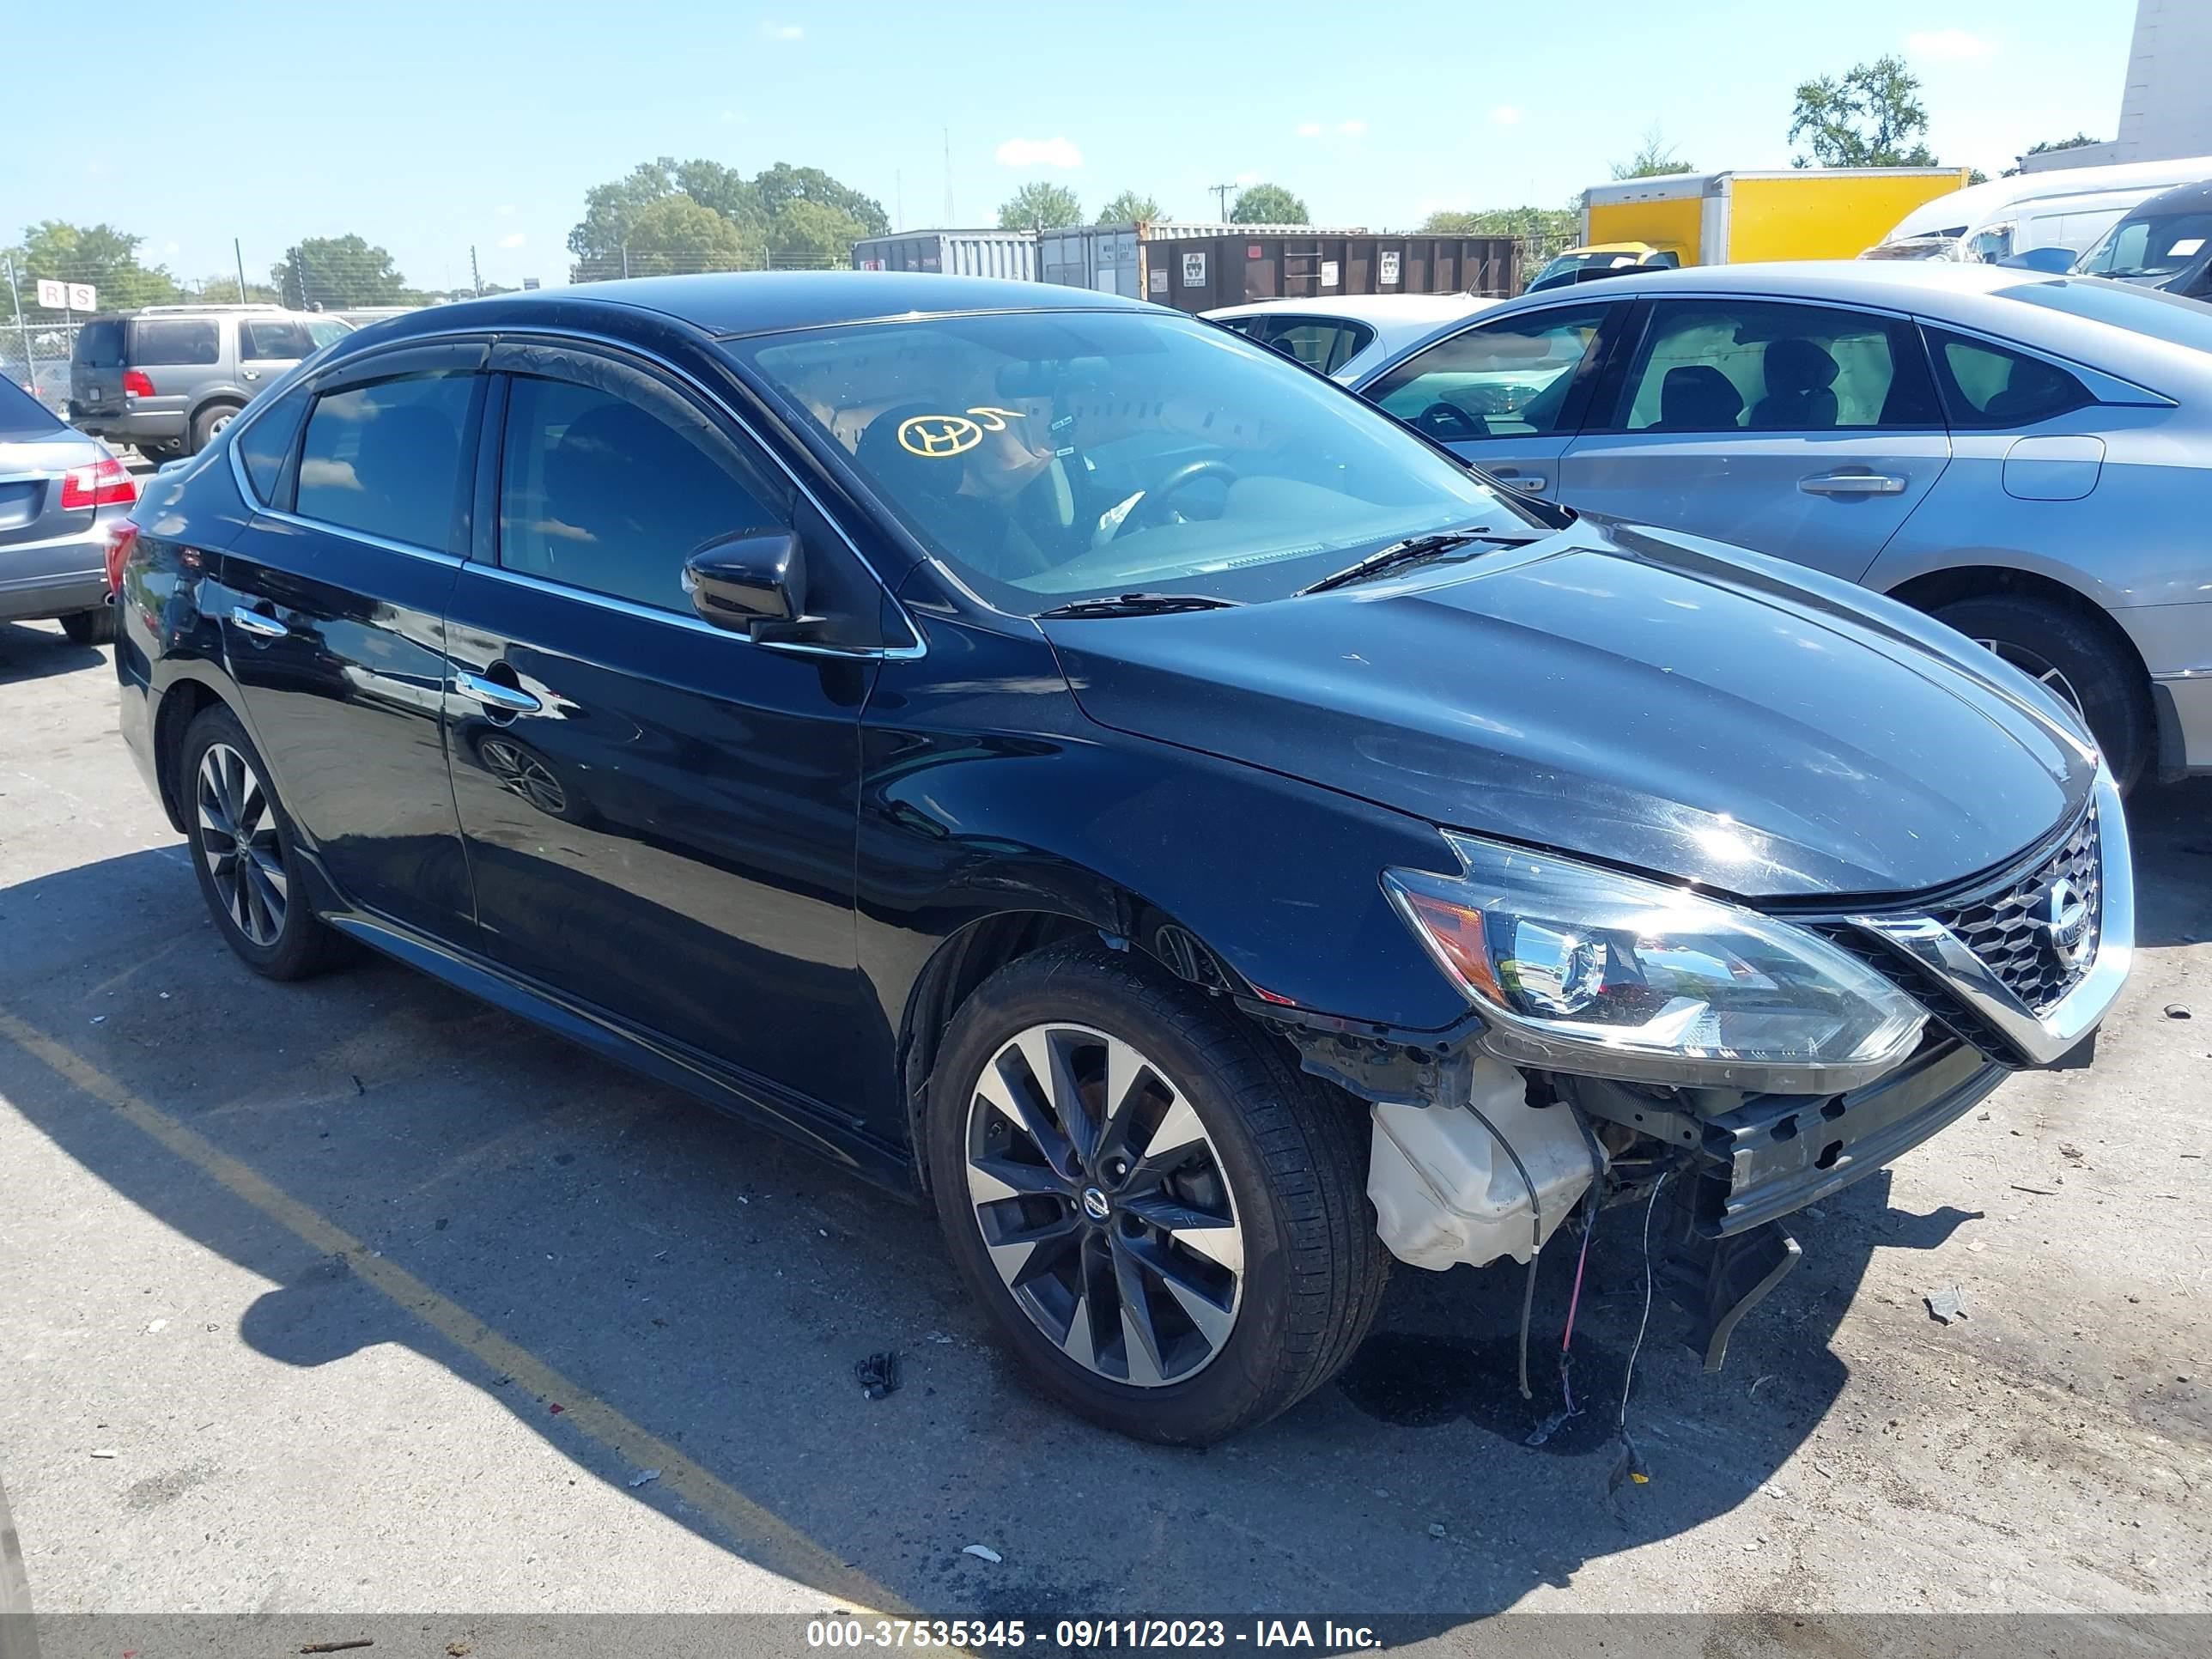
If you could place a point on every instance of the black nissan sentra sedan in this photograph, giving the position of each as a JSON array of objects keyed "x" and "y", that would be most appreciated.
[{"x": 1056, "y": 758}]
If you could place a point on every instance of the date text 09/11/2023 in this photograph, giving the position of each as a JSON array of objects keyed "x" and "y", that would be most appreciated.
[{"x": 1089, "y": 1634}]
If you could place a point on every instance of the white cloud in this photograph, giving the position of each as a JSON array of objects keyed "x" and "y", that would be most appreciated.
[
  {"x": 1955, "y": 44},
  {"x": 1245, "y": 180},
  {"x": 1506, "y": 115},
  {"x": 1352, "y": 129},
  {"x": 1308, "y": 129},
  {"x": 504, "y": 211},
  {"x": 782, "y": 31},
  {"x": 169, "y": 248},
  {"x": 516, "y": 240},
  {"x": 1039, "y": 152}
]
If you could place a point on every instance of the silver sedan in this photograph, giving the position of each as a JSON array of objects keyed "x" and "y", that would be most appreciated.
[{"x": 2027, "y": 457}]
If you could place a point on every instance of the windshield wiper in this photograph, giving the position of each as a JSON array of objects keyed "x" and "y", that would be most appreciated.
[
  {"x": 1419, "y": 549},
  {"x": 1140, "y": 604}
]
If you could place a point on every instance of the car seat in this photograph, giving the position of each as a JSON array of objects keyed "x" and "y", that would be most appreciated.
[
  {"x": 1800, "y": 378},
  {"x": 1697, "y": 398}
]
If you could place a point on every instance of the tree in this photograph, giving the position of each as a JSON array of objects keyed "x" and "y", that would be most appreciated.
[
  {"x": 726, "y": 191},
  {"x": 98, "y": 254},
  {"x": 609, "y": 208},
  {"x": 814, "y": 235},
  {"x": 1129, "y": 208},
  {"x": 676, "y": 235},
  {"x": 1041, "y": 206},
  {"x": 780, "y": 185},
  {"x": 221, "y": 290},
  {"x": 333, "y": 272},
  {"x": 2079, "y": 141},
  {"x": 1871, "y": 117},
  {"x": 1655, "y": 159},
  {"x": 1267, "y": 204}
]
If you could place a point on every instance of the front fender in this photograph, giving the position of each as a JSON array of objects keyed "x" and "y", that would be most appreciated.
[{"x": 984, "y": 791}]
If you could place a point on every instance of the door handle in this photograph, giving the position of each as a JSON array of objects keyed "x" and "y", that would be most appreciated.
[
  {"x": 1535, "y": 483},
  {"x": 259, "y": 623},
  {"x": 503, "y": 698},
  {"x": 249, "y": 374},
  {"x": 1852, "y": 483}
]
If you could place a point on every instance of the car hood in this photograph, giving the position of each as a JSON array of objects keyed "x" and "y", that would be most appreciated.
[{"x": 1646, "y": 698}]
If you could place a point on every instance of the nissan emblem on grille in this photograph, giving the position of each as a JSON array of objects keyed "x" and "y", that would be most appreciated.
[{"x": 2038, "y": 933}]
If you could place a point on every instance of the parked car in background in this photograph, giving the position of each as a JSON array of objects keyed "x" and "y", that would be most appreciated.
[
  {"x": 2026, "y": 457},
  {"x": 60, "y": 493},
  {"x": 2065, "y": 208},
  {"x": 1066, "y": 764},
  {"x": 2164, "y": 243},
  {"x": 1582, "y": 264},
  {"x": 167, "y": 379},
  {"x": 1345, "y": 336}
]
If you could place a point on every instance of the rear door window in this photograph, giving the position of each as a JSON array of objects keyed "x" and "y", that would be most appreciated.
[
  {"x": 386, "y": 459},
  {"x": 266, "y": 444},
  {"x": 1986, "y": 385},
  {"x": 184, "y": 342},
  {"x": 1512, "y": 377},
  {"x": 280, "y": 339},
  {"x": 100, "y": 346},
  {"x": 1727, "y": 365},
  {"x": 1322, "y": 343}
]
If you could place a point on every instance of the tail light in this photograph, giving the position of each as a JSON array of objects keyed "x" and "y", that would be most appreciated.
[
  {"x": 135, "y": 384},
  {"x": 104, "y": 483},
  {"x": 122, "y": 537}
]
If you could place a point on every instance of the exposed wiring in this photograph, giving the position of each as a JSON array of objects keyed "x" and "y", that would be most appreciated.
[
  {"x": 1631, "y": 1463},
  {"x": 1535, "y": 1239}
]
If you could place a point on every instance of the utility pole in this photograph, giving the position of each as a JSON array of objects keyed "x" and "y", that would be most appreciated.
[
  {"x": 475, "y": 281},
  {"x": 237, "y": 254},
  {"x": 1221, "y": 191},
  {"x": 30, "y": 369},
  {"x": 625, "y": 258}
]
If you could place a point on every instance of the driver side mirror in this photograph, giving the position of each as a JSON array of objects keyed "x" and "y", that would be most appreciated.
[{"x": 754, "y": 583}]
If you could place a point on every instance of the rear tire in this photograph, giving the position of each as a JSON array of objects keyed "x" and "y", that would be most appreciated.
[
  {"x": 2076, "y": 660},
  {"x": 90, "y": 627},
  {"x": 209, "y": 423},
  {"x": 1265, "y": 1215},
  {"x": 243, "y": 853}
]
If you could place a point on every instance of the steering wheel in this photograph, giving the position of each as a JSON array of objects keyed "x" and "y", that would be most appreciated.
[
  {"x": 1449, "y": 420},
  {"x": 1153, "y": 505}
]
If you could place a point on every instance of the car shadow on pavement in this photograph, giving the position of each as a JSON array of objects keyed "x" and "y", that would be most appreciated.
[
  {"x": 717, "y": 1288},
  {"x": 35, "y": 651}
]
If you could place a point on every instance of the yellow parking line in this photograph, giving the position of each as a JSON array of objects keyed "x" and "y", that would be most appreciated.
[{"x": 772, "y": 1541}]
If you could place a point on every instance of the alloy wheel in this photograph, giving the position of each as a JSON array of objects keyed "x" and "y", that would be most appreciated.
[
  {"x": 2037, "y": 668},
  {"x": 238, "y": 839},
  {"x": 1104, "y": 1205},
  {"x": 522, "y": 773}
]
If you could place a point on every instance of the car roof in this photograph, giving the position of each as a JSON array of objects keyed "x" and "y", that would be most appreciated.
[
  {"x": 2180, "y": 198},
  {"x": 733, "y": 303}
]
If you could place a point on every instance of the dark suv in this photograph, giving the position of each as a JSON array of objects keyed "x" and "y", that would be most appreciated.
[
  {"x": 1057, "y": 758},
  {"x": 167, "y": 379}
]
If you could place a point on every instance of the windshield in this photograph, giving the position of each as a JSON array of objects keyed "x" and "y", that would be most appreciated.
[
  {"x": 1569, "y": 264},
  {"x": 1054, "y": 456},
  {"x": 2159, "y": 245}
]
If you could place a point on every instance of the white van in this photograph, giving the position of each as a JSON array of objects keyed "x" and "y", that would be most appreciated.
[{"x": 2067, "y": 208}]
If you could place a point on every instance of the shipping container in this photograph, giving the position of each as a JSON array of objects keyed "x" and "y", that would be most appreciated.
[
  {"x": 1239, "y": 264},
  {"x": 1110, "y": 259},
  {"x": 1008, "y": 253}
]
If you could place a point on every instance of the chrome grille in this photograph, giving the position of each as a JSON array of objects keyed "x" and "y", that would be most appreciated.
[{"x": 2006, "y": 930}]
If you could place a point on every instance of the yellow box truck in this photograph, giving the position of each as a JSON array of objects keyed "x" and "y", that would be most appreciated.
[{"x": 1734, "y": 218}]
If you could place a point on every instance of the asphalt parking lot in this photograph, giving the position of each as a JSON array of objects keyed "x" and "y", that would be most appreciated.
[{"x": 357, "y": 1295}]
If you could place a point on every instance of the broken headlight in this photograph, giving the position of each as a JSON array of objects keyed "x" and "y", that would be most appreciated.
[{"x": 1576, "y": 968}]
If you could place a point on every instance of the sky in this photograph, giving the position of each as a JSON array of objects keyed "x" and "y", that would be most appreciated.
[{"x": 429, "y": 129}]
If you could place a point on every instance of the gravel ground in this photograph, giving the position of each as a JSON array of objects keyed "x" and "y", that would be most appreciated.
[{"x": 356, "y": 1297}]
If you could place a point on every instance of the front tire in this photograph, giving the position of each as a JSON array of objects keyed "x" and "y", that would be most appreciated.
[
  {"x": 2075, "y": 659},
  {"x": 1167, "y": 1221},
  {"x": 243, "y": 853}
]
